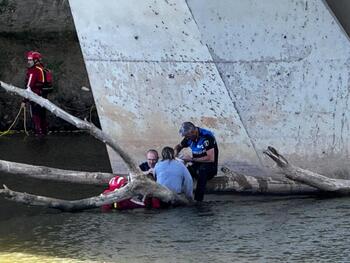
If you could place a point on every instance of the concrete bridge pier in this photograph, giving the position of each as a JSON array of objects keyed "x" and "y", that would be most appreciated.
[{"x": 257, "y": 73}]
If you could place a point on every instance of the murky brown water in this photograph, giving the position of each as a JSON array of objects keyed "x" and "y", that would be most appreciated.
[{"x": 223, "y": 229}]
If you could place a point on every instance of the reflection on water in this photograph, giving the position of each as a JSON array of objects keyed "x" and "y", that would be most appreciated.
[
  {"x": 23, "y": 257},
  {"x": 223, "y": 229}
]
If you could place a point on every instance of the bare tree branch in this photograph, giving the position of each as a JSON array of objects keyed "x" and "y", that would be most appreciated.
[
  {"x": 84, "y": 125},
  {"x": 233, "y": 182},
  {"x": 48, "y": 173},
  {"x": 138, "y": 184},
  {"x": 229, "y": 182},
  {"x": 298, "y": 174}
]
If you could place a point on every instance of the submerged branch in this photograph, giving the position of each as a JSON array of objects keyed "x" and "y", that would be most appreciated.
[{"x": 139, "y": 184}]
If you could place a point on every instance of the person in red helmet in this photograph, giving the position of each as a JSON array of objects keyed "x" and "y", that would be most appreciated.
[
  {"x": 36, "y": 80},
  {"x": 139, "y": 201},
  {"x": 118, "y": 182}
]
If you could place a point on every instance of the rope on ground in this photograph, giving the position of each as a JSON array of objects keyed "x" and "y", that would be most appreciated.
[{"x": 14, "y": 122}]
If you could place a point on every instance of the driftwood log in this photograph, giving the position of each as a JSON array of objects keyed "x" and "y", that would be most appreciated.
[
  {"x": 54, "y": 174},
  {"x": 228, "y": 182},
  {"x": 234, "y": 182},
  {"x": 138, "y": 184},
  {"x": 318, "y": 181}
]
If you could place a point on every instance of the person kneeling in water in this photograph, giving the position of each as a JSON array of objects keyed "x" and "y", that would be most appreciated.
[
  {"x": 118, "y": 182},
  {"x": 173, "y": 174},
  {"x": 170, "y": 173}
]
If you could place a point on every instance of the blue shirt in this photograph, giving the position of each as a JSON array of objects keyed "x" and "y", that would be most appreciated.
[
  {"x": 204, "y": 142},
  {"x": 175, "y": 176}
]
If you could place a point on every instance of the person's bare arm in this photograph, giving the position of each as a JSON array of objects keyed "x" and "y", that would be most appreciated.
[{"x": 177, "y": 149}]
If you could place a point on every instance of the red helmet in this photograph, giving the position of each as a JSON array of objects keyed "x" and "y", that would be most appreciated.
[
  {"x": 34, "y": 55},
  {"x": 117, "y": 182}
]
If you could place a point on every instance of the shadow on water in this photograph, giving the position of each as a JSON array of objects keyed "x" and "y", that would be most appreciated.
[
  {"x": 74, "y": 152},
  {"x": 224, "y": 228},
  {"x": 67, "y": 151}
]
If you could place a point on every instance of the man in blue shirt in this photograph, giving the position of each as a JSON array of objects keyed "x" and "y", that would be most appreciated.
[{"x": 205, "y": 154}]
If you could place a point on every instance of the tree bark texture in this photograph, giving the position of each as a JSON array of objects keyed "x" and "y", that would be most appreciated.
[
  {"x": 233, "y": 182},
  {"x": 229, "y": 182},
  {"x": 138, "y": 184},
  {"x": 321, "y": 182},
  {"x": 48, "y": 173}
]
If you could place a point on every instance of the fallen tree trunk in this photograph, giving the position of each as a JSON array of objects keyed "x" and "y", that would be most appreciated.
[
  {"x": 233, "y": 182},
  {"x": 321, "y": 182},
  {"x": 54, "y": 174},
  {"x": 229, "y": 182},
  {"x": 138, "y": 184}
]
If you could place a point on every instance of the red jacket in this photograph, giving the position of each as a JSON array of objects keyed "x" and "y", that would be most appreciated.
[
  {"x": 35, "y": 78},
  {"x": 118, "y": 182}
]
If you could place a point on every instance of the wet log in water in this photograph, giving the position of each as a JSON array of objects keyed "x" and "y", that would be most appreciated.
[
  {"x": 54, "y": 174},
  {"x": 320, "y": 182},
  {"x": 233, "y": 182},
  {"x": 228, "y": 182},
  {"x": 138, "y": 184}
]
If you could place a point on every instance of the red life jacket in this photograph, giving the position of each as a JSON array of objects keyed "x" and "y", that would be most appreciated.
[
  {"x": 39, "y": 80},
  {"x": 118, "y": 182}
]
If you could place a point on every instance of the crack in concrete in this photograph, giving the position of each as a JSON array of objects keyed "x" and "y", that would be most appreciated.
[{"x": 229, "y": 94}]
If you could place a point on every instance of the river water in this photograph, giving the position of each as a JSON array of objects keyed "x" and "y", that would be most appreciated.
[{"x": 225, "y": 228}]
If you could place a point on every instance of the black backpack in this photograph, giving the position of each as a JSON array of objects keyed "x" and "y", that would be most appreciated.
[{"x": 48, "y": 87}]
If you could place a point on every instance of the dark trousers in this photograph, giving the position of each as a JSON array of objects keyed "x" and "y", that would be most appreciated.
[
  {"x": 202, "y": 172},
  {"x": 38, "y": 114}
]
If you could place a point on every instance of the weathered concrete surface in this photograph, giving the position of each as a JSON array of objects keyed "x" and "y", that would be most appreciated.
[
  {"x": 149, "y": 73},
  {"x": 287, "y": 70},
  {"x": 256, "y": 72}
]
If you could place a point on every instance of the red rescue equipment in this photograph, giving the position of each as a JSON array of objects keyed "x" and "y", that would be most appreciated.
[
  {"x": 34, "y": 55},
  {"x": 116, "y": 183}
]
